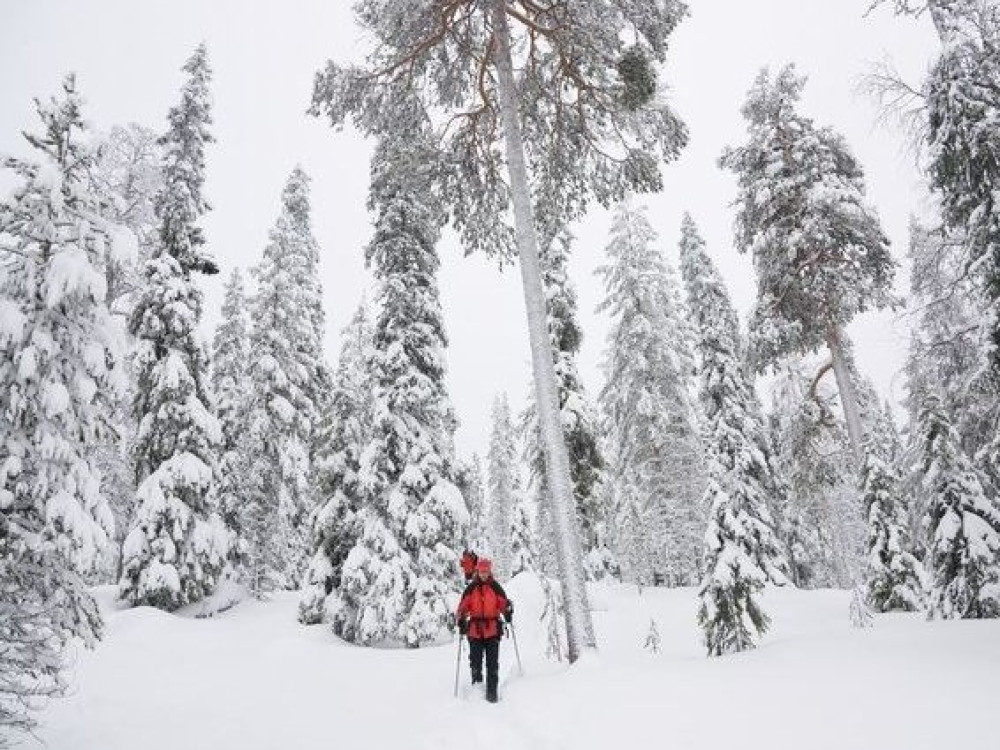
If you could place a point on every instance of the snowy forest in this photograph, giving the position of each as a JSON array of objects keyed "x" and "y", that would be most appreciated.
[{"x": 173, "y": 459}]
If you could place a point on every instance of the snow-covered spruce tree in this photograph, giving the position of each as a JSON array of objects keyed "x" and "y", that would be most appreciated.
[
  {"x": 742, "y": 549},
  {"x": 947, "y": 343},
  {"x": 963, "y": 107},
  {"x": 576, "y": 413},
  {"x": 962, "y": 525},
  {"x": 125, "y": 176},
  {"x": 572, "y": 58},
  {"x": 344, "y": 431},
  {"x": 536, "y": 491},
  {"x": 59, "y": 372},
  {"x": 820, "y": 254},
  {"x": 523, "y": 544},
  {"x": 892, "y": 578},
  {"x": 962, "y": 97},
  {"x": 469, "y": 480},
  {"x": 504, "y": 486},
  {"x": 652, "y": 642},
  {"x": 399, "y": 582},
  {"x": 855, "y": 527},
  {"x": 654, "y": 451},
  {"x": 632, "y": 535},
  {"x": 729, "y": 595},
  {"x": 176, "y": 552},
  {"x": 286, "y": 376},
  {"x": 963, "y": 104},
  {"x": 230, "y": 386}
]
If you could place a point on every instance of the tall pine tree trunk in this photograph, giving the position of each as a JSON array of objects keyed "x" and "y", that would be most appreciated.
[
  {"x": 579, "y": 628},
  {"x": 848, "y": 393}
]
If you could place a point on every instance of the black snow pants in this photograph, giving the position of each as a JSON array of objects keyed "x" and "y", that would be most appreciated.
[{"x": 490, "y": 648}]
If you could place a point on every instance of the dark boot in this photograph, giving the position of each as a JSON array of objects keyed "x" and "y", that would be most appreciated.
[
  {"x": 476, "y": 678},
  {"x": 491, "y": 693}
]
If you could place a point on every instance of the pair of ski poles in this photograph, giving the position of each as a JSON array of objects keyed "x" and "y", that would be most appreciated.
[{"x": 461, "y": 641}]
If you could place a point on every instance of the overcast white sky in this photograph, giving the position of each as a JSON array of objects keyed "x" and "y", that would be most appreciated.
[{"x": 128, "y": 54}]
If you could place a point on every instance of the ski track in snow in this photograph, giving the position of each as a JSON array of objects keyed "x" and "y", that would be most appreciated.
[{"x": 252, "y": 678}]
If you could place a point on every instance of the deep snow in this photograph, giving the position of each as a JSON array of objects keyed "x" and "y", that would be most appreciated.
[{"x": 252, "y": 678}]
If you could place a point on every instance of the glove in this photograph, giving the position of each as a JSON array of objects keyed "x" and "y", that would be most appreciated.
[
  {"x": 509, "y": 613},
  {"x": 463, "y": 626}
]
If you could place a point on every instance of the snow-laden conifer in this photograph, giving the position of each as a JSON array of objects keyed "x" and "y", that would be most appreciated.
[
  {"x": 963, "y": 104},
  {"x": 818, "y": 248},
  {"x": 60, "y": 371},
  {"x": 399, "y": 582},
  {"x": 636, "y": 547},
  {"x": 505, "y": 490},
  {"x": 125, "y": 177},
  {"x": 947, "y": 344},
  {"x": 231, "y": 385},
  {"x": 961, "y": 99},
  {"x": 470, "y": 482},
  {"x": 742, "y": 551},
  {"x": 963, "y": 108},
  {"x": 501, "y": 137},
  {"x": 344, "y": 431},
  {"x": 230, "y": 357},
  {"x": 523, "y": 548},
  {"x": 287, "y": 377},
  {"x": 655, "y": 459},
  {"x": 892, "y": 577},
  {"x": 653, "y": 640},
  {"x": 175, "y": 553},
  {"x": 503, "y": 485},
  {"x": 962, "y": 525}
]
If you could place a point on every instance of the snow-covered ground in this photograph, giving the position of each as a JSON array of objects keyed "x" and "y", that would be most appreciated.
[{"x": 252, "y": 678}]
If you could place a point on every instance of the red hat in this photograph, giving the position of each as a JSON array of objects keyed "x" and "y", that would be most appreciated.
[{"x": 485, "y": 565}]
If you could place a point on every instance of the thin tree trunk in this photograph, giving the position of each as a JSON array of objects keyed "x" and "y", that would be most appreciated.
[
  {"x": 848, "y": 393},
  {"x": 579, "y": 628}
]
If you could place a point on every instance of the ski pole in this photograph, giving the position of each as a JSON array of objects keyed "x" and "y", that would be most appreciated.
[
  {"x": 517, "y": 651},
  {"x": 458, "y": 663}
]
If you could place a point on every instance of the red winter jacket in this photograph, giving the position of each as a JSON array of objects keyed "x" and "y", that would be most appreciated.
[{"x": 482, "y": 603}]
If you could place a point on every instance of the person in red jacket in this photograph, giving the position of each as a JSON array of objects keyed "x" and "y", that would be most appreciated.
[
  {"x": 468, "y": 564},
  {"x": 479, "y": 614}
]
